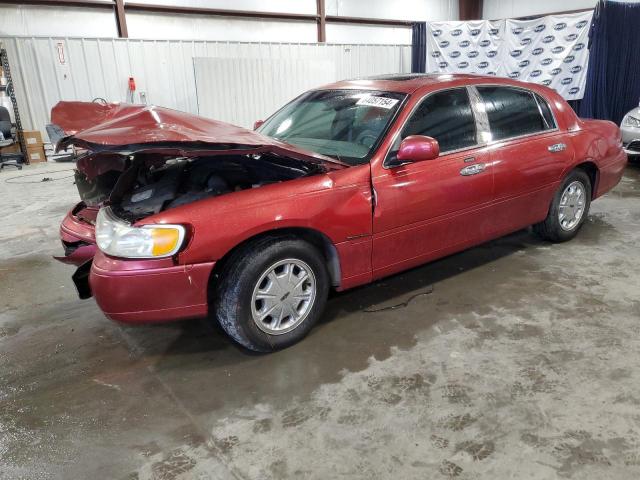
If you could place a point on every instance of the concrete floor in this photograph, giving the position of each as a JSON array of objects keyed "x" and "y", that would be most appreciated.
[{"x": 516, "y": 359}]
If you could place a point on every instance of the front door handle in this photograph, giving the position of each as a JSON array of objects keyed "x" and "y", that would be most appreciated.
[
  {"x": 558, "y": 147},
  {"x": 474, "y": 169}
]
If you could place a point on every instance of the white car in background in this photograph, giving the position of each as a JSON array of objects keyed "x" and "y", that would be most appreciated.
[{"x": 630, "y": 129}]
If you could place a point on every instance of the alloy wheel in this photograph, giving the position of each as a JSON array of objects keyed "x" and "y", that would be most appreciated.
[
  {"x": 283, "y": 296},
  {"x": 572, "y": 203}
]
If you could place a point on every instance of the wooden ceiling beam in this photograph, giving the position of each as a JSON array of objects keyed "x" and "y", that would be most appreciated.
[
  {"x": 322, "y": 21},
  {"x": 470, "y": 9}
]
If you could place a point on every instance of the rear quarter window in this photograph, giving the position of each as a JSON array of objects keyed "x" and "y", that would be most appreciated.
[{"x": 547, "y": 115}]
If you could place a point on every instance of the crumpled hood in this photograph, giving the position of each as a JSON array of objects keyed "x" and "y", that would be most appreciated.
[{"x": 124, "y": 128}]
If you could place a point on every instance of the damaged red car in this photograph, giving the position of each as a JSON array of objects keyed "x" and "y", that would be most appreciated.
[{"x": 183, "y": 217}]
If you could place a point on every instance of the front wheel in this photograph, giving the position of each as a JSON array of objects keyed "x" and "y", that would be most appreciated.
[
  {"x": 272, "y": 293},
  {"x": 568, "y": 210}
]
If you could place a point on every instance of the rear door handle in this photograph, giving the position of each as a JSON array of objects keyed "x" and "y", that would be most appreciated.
[
  {"x": 474, "y": 169},
  {"x": 558, "y": 147}
]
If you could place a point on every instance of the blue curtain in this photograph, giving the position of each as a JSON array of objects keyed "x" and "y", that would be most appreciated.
[
  {"x": 613, "y": 78},
  {"x": 419, "y": 47}
]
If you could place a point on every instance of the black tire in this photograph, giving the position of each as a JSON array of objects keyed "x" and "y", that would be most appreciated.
[
  {"x": 550, "y": 229},
  {"x": 233, "y": 294}
]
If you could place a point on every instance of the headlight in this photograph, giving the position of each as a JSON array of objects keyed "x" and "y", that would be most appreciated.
[
  {"x": 630, "y": 121},
  {"x": 120, "y": 239}
]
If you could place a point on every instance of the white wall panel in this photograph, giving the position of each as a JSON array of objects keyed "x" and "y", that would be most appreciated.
[
  {"x": 412, "y": 10},
  {"x": 202, "y": 27},
  {"x": 42, "y": 20},
  {"x": 498, "y": 9},
  {"x": 163, "y": 69},
  {"x": 344, "y": 33},
  {"x": 223, "y": 93}
]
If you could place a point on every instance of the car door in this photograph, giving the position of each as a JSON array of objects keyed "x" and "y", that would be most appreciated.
[
  {"x": 425, "y": 209},
  {"x": 528, "y": 154}
]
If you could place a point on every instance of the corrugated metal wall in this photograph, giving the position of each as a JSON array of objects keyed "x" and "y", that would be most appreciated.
[
  {"x": 48, "y": 69},
  {"x": 275, "y": 82}
]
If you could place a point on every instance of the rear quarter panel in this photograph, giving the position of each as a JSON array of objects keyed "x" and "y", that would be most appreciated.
[
  {"x": 600, "y": 142},
  {"x": 595, "y": 141}
]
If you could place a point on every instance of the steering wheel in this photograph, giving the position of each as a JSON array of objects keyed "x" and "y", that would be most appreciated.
[
  {"x": 99, "y": 100},
  {"x": 366, "y": 138}
]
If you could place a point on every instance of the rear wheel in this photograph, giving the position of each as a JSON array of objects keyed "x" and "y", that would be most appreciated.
[
  {"x": 271, "y": 293},
  {"x": 569, "y": 209}
]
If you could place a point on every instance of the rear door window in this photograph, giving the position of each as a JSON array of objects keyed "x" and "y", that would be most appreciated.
[{"x": 514, "y": 112}]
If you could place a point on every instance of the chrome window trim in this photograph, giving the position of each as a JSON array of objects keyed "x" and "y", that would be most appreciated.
[
  {"x": 482, "y": 119},
  {"x": 535, "y": 99},
  {"x": 385, "y": 164},
  {"x": 539, "y": 99}
]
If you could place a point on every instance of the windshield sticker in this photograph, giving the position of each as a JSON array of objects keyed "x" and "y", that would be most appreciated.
[{"x": 380, "y": 102}]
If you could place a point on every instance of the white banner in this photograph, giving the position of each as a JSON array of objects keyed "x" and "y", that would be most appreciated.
[
  {"x": 550, "y": 50},
  {"x": 464, "y": 47}
]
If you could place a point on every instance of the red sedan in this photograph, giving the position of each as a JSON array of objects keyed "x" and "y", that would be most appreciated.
[{"x": 344, "y": 185}]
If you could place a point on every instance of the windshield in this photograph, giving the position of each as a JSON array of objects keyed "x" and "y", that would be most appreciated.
[{"x": 344, "y": 124}]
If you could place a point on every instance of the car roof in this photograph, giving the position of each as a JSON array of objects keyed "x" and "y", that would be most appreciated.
[{"x": 411, "y": 82}]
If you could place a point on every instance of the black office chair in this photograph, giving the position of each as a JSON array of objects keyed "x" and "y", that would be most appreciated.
[{"x": 7, "y": 138}]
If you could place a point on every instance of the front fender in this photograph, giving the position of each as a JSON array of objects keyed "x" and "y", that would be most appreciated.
[{"x": 337, "y": 204}]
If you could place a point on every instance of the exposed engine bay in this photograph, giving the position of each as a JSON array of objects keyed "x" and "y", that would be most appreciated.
[{"x": 146, "y": 184}]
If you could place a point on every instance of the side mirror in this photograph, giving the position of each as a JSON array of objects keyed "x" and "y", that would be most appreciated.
[
  {"x": 257, "y": 124},
  {"x": 417, "y": 148}
]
